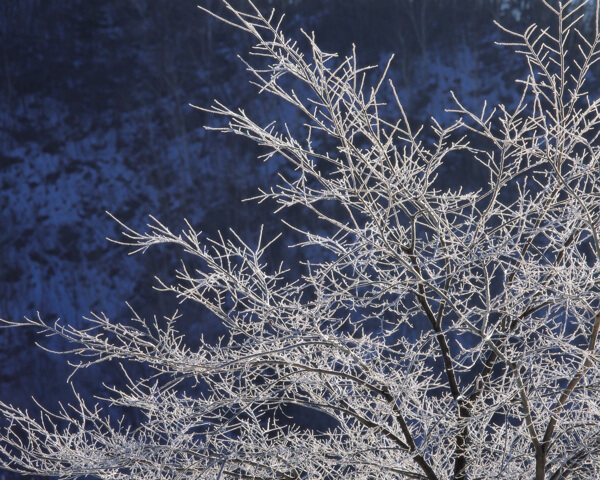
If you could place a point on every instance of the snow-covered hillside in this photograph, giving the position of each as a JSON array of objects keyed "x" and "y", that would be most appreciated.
[{"x": 94, "y": 117}]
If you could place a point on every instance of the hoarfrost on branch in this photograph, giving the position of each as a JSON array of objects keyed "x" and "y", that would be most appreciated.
[{"x": 443, "y": 333}]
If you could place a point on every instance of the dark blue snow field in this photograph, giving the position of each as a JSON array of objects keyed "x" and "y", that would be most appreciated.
[{"x": 95, "y": 117}]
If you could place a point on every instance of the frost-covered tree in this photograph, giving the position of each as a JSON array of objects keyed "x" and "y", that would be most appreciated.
[{"x": 438, "y": 332}]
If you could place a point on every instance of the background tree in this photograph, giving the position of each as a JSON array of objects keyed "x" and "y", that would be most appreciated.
[{"x": 438, "y": 332}]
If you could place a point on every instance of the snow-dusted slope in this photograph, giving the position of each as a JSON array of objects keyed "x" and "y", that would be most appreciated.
[{"x": 95, "y": 117}]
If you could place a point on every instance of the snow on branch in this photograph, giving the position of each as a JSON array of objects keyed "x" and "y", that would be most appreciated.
[{"x": 442, "y": 333}]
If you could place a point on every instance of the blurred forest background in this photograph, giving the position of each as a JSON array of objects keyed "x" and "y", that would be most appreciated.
[{"x": 95, "y": 116}]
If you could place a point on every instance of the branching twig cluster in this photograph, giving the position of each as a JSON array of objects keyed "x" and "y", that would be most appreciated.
[{"x": 447, "y": 333}]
